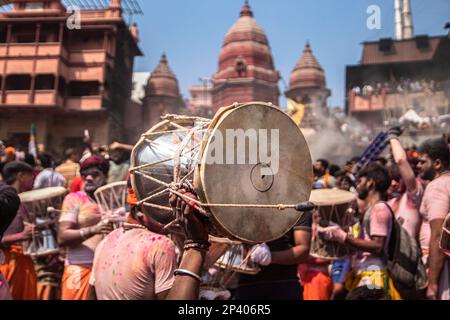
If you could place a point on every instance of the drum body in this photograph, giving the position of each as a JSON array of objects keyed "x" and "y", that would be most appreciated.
[
  {"x": 249, "y": 154},
  {"x": 334, "y": 207},
  {"x": 445, "y": 239},
  {"x": 36, "y": 204}
]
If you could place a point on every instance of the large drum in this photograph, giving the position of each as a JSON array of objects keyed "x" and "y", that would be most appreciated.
[
  {"x": 221, "y": 277},
  {"x": 334, "y": 207},
  {"x": 112, "y": 201},
  {"x": 445, "y": 239},
  {"x": 249, "y": 166},
  {"x": 37, "y": 204},
  {"x": 42, "y": 208}
]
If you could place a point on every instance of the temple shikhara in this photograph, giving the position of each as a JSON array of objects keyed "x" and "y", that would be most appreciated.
[{"x": 246, "y": 68}]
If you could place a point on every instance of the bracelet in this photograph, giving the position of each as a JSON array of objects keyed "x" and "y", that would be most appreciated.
[
  {"x": 184, "y": 272},
  {"x": 200, "y": 245},
  {"x": 197, "y": 246},
  {"x": 83, "y": 234},
  {"x": 202, "y": 242}
]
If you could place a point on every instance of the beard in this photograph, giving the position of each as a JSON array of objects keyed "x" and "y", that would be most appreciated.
[
  {"x": 363, "y": 193},
  {"x": 428, "y": 175}
]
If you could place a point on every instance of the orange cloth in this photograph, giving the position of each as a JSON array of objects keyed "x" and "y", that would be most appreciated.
[
  {"x": 77, "y": 184},
  {"x": 75, "y": 282},
  {"x": 19, "y": 272},
  {"x": 316, "y": 286},
  {"x": 48, "y": 292}
]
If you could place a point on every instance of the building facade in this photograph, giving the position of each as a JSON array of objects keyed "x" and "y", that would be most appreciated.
[
  {"x": 406, "y": 79},
  {"x": 63, "y": 79}
]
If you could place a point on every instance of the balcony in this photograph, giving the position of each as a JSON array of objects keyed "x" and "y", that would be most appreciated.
[
  {"x": 88, "y": 56},
  {"x": 89, "y": 103},
  {"x": 45, "y": 97},
  {"x": 361, "y": 103},
  {"x": 42, "y": 49},
  {"x": 42, "y": 98},
  {"x": 13, "y": 97},
  {"x": 85, "y": 74}
]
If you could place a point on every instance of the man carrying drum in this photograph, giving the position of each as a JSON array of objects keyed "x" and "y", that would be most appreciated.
[
  {"x": 369, "y": 268},
  {"x": 81, "y": 229},
  {"x": 17, "y": 268},
  {"x": 138, "y": 262},
  {"x": 9, "y": 204}
]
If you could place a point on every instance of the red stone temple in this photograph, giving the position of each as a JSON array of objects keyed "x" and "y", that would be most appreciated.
[
  {"x": 246, "y": 69},
  {"x": 162, "y": 95},
  {"x": 307, "y": 85}
]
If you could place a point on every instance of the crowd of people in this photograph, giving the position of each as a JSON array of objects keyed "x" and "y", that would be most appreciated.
[
  {"x": 402, "y": 86},
  {"x": 406, "y": 194}
]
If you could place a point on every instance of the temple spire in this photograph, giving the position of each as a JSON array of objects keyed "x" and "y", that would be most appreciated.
[{"x": 246, "y": 11}]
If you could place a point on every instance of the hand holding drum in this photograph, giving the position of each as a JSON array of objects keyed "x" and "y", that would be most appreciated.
[{"x": 104, "y": 227}]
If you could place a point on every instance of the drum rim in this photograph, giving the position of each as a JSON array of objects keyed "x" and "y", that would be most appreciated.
[
  {"x": 220, "y": 116},
  {"x": 24, "y": 196},
  {"x": 110, "y": 186},
  {"x": 336, "y": 203}
]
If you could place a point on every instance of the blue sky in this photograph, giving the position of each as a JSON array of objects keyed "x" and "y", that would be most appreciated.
[{"x": 191, "y": 33}]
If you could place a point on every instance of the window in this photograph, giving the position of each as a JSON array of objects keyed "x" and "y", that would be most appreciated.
[
  {"x": 26, "y": 38},
  {"x": 18, "y": 82},
  {"x": 3, "y": 33},
  {"x": 45, "y": 82},
  {"x": 84, "y": 88}
]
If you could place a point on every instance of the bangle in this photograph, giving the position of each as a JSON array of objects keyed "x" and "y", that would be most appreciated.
[
  {"x": 83, "y": 234},
  {"x": 184, "y": 272},
  {"x": 200, "y": 245}
]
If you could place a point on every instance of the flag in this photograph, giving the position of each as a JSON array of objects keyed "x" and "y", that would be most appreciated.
[
  {"x": 296, "y": 111},
  {"x": 32, "y": 143}
]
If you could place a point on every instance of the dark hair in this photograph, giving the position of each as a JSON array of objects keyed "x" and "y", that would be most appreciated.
[
  {"x": 436, "y": 149},
  {"x": 325, "y": 163},
  {"x": 46, "y": 160},
  {"x": 366, "y": 293},
  {"x": 334, "y": 170},
  {"x": 69, "y": 152},
  {"x": 382, "y": 160},
  {"x": 29, "y": 159},
  {"x": 11, "y": 169},
  {"x": 380, "y": 175}
]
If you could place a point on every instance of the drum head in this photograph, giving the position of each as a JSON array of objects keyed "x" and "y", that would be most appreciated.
[
  {"x": 331, "y": 197},
  {"x": 42, "y": 194},
  {"x": 224, "y": 183}
]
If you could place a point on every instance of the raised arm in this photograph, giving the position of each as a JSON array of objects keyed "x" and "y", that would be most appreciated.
[{"x": 401, "y": 159}]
